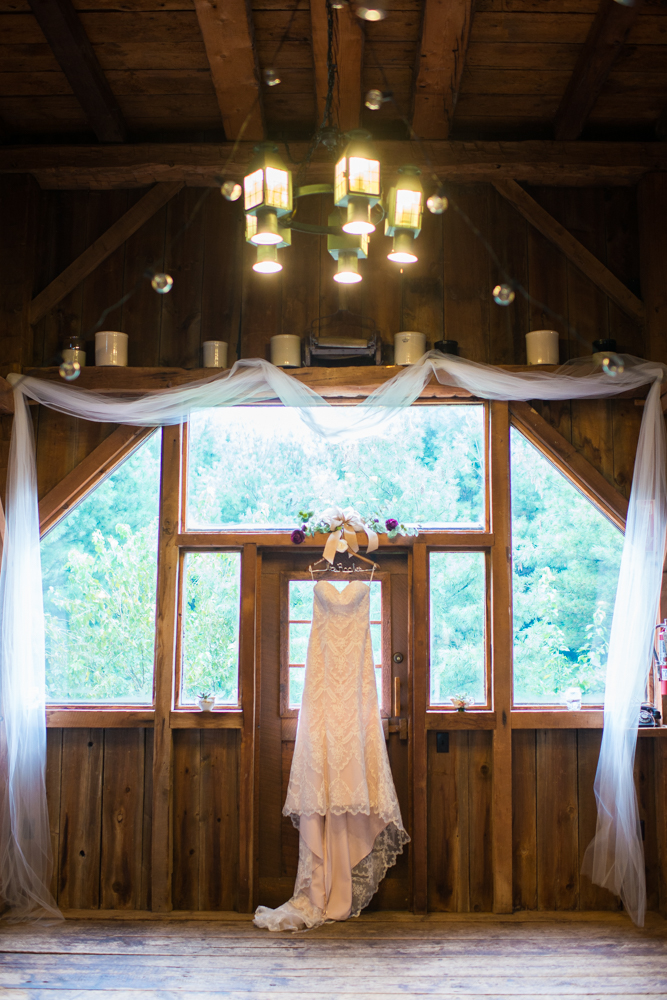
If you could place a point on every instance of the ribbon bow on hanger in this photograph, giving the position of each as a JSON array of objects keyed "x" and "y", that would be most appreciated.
[{"x": 344, "y": 525}]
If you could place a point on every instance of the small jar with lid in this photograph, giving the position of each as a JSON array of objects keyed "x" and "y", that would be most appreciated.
[{"x": 74, "y": 350}]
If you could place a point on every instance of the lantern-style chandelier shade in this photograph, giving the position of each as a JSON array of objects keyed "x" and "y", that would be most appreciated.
[
  {"x": 348, "y": 268},
  {"x": 267, "y": 260},
  {"x": 403, "y": 251},
  {"x": 357, "y": 183},
  {"x": 267, "y": 191}
]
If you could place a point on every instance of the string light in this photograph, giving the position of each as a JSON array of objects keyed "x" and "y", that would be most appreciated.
[
  {"x": 162, "y": 283},
  {"x": 437, "y": 204},
  {"x": 503, "y": 295},
  {"x": 69, "y": 370},
  {"x": 271, "y": 78},
  {"x": 374, "y": 11},
  {"x": 231, "y": 191}
]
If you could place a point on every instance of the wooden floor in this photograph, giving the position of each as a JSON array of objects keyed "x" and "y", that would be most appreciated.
[{"x": 376, "y": 956}]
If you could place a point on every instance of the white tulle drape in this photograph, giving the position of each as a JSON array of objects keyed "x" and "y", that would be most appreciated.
[{"x": 614, "y": 858}]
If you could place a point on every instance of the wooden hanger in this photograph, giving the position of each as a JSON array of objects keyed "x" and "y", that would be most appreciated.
[{"x": 338, "y": 568}]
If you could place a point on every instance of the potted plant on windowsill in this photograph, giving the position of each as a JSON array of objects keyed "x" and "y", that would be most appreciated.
[{"x": 206, "y": 701}]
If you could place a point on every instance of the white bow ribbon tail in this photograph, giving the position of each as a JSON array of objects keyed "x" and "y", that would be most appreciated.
[{"x": 344, "y": 525}]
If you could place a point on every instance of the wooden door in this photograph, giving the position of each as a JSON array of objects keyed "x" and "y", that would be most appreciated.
[{"x": 278, "y": 840}]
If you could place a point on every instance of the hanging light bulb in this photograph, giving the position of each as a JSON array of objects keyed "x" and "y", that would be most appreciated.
[
  {"x": 267, "y": 261},
  {"x": 69, "y": 370},
  {"x": 271, "y": 78},
  {"x": 268, "y": 193},
  {"x": 371, "y": 10},
  {"x": 162, "y": 283},
  {"x": 339, "y": 4},
  {"x": 503, "y": 295},
  {"x": 231, "y": 190},
  {"x": 612, "y": 365},
  {"x": 348, "y": 268},
  {"x": 437, "y": 204},
  {"x": 404, "y": 215},
  {"x": 357, "y": 183},
  {"x": 374, "y": 100}
]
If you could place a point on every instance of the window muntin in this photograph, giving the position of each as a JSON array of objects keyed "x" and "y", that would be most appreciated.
[
  {"x": 210, "y": 621},
  {"x": 99, "y": 570},
  {"x": 458, "y": 602},
  {"x": 256, "y": 467},
  {"x": 565, "y": 562},
  {"x": 299, "y": 622}
]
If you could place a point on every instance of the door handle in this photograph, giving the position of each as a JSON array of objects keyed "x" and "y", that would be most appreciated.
[{"x": 396, "y": 724}]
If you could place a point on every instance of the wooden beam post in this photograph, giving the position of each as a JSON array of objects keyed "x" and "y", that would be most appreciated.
[
  {"x": 348, "y": 55},
  {"x": 444, "y": 43},
  {"x": 603, "y": 44},
  {"x": 71, "y": 46},
  {"x": 652, "y": 204},
  {"x": 248, "y": 686},
  {"x": 165, "y": 650},
  {"x": 227, "y": 30},
  {"x": 102, "y": 248},
  {"x": 420, "y": 681},
  {"x": 501, "y": 646},
  {"x": 572, "y": 248}
]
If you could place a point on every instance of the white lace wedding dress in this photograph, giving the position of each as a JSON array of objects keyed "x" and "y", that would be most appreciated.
[{"x": 341, "y": 795}]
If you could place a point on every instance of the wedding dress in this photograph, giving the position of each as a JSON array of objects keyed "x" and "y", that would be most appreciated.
[{"x": 341, "y": 795}]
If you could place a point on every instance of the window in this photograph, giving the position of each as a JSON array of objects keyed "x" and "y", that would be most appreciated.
[
  {"x": 457, "y": 586},
  {"x": 256, "y": 467},
  {"x": 566, "y": 557},
  {"x": 210, "y": 626},
  {"x": 99, "y": 566},
  {"x": 298, "y": 625}
]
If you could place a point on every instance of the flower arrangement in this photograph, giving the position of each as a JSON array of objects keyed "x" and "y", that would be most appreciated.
[{"x": 312, "y": 525}]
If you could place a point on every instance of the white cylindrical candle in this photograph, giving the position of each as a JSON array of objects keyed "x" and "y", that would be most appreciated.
[
  {"x": 409, "y": 347},
  {"x": 286, "y": 350},
  {"x": 111, "y": 348},
  {"x": 542, "y": 347},
  {"x": 215, "y": 353},
  {"x": 74, "y": 354}
]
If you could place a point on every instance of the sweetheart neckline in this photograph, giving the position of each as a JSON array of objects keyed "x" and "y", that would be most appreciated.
[{"x": 348, "y": 584}]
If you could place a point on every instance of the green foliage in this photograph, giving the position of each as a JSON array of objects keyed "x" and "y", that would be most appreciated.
[
  {"x": 457, "y": 589},
  {"x": 261, "y": 466},
  {"x": 566, "y": 560}
]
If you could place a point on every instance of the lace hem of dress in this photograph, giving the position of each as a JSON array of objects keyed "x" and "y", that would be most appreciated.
[
  {"x": 367, "y": 875},
  {"x": 387, "y": 816}
]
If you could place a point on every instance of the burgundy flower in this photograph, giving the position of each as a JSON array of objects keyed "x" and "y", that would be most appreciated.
[
  {"x": 297, "y": 536},
  {"x": 391, "y": 523}
]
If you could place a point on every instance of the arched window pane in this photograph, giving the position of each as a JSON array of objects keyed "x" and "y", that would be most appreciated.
[
  {"x": 99, "y": 568},
  {"x": 565, "y": 561}
]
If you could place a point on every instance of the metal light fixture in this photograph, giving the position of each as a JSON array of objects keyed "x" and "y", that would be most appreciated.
[
  {"x": 267, "y": 260},
  {"x": 357, "y": 183},
  {"x": 267, "y": 254},
  {"x": 404, "y": 215},
  {"x": 267, "y": 191},
  {"x": 347, "y": 250}
]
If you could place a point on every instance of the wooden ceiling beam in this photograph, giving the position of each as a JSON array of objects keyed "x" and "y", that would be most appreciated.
[
  {"x": 227, "y": 29},
  {"x": 70, "y": 45},
  {"x": 198, "y": 165},
  {"x": 348, "y": 55},
  {"x": 444, "y": 42},
  {"x": 102, "y": 248},
  {"x": 598, "y": 53},
  {"x": 575, "y": 251}
]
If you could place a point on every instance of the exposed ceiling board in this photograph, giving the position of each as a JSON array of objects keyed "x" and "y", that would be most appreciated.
[
  {"x": 445, "y": 36},
  {"x": 348, "y": 54}
]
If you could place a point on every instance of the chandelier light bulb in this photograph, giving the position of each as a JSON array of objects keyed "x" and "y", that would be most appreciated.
[
  {"x": 162, "y": 283},
  {"x": 271, "y": 78},
  {"x": 503, "y": 295},
  {"x": 371, "y": 11},
  {"x": 358, "y": 218},
  {"x": 231, "y": 191},
  {"x": 348, "y": 269},
  {"x": 403, "y": 251},
  {"x": 374, "y": 100},
  {"x": 267, "y": 229},
  {"x": 267, "y": 260},
  {"x": 437, "y": 204}
]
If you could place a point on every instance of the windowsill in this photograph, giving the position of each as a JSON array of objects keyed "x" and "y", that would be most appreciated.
[{"x": 78, "y": 717}]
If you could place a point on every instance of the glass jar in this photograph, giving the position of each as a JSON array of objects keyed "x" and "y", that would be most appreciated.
[{"x": 74, "y": 350}]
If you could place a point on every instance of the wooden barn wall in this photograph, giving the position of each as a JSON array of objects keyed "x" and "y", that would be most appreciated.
[{"x": 99, "y": 781}]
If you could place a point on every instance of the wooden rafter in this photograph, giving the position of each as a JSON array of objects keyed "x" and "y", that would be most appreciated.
[
  {"x": 70, "y": 45},
  {"x": 88, "y": 473},
  {"x": 102, "y": 248},
  {"x": 572, "y": 248},
  {"x": 444, "y": 42},
  {"x": 226, "y": 27},
  {"x": 598, "y": 53},
  {"x": 538, "y": 162},
  {"x": 570, "y": 462},
  {"x": 348, "y": 56}
]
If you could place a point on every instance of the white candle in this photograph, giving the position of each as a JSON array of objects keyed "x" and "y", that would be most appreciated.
[
  {"x": 215, "y": 353},
  {"x": 286, "y": 350},
  {"x": 409, "y": 346},
  {"x": 542, "y": 347},
  {"x": 111, "y": 348}
]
